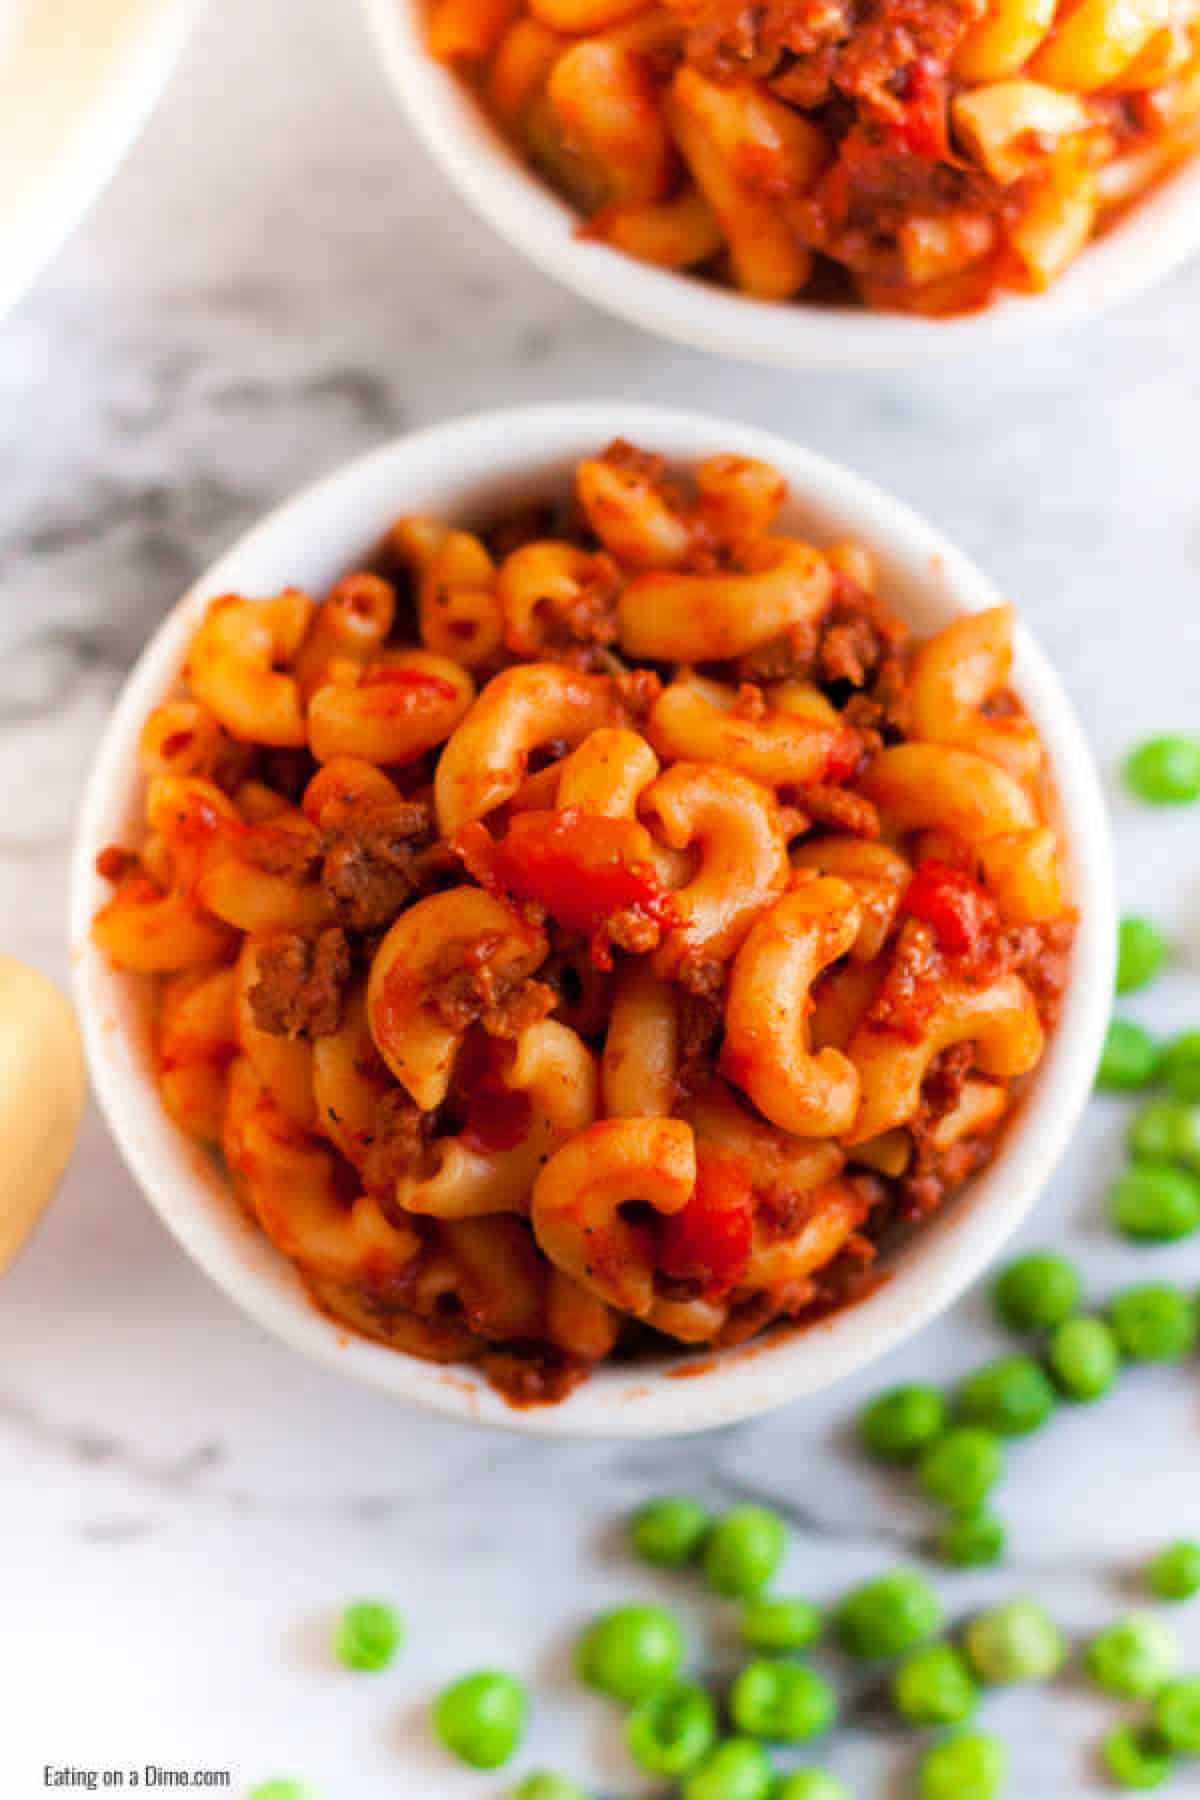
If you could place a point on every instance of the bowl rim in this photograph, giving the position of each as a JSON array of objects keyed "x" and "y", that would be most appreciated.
[
  {"x": 1157, "y": 234},
  {"x": 346, "y": 512}
]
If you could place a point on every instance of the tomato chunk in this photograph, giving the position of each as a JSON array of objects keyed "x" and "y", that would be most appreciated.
[
  {"x": 581, "y": 867},
  {"x": 711, "y": 1239},
  {"x": 959, "y": 911}
]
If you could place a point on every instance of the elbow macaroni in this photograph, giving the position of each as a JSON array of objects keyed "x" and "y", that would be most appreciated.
[{"x": 537, "y": 996}]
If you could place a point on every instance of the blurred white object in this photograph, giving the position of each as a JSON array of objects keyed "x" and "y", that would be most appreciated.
[
  {"x": 42, "y": 1093},
  {"x": 77, "y": 81}
]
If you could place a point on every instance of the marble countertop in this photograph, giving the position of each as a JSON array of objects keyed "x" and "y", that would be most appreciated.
[{"x": 276, "y": 280}]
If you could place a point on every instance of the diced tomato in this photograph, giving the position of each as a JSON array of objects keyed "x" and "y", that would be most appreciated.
[
  {"x": 956, "y": 907},
  {"x": 498, "y": 1118},
  {"x": 711, "y": 1239},
  {"x": 581, "y": 867}
]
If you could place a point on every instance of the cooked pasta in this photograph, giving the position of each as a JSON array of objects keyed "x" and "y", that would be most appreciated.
[
  {"x": 919, "y": 155},
  {"x": 630, "y": 977}
]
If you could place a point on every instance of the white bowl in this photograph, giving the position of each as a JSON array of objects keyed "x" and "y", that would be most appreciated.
[
  {"x": 76, "y": 85},
  {"x": 476, "y": 467},
  {"x": 1155, "y": 237}
]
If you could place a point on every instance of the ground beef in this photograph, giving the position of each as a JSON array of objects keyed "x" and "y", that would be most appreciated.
[
  {"x": 934, "y": 1174},
  {"x": 288, "y": 771},
  {"x": 842, "y": 809},
  {"x": 1041, "y": 955},
  {"x": 400, "y": 1134},
  {"x": 632, "y": 931},
  {"x": 301, "y": 984},
  {"x": 910, "y": 986},
  {"x": 465, "y": 988},
  {"x": 539, "y": 1377},
  {"x": 790, "y": 657},
  {"x": 374, "y": 866},
  {"x": 294, "y": 852},
  {"x": 637, "y": 690},
  {"x": 701, "y": 1022},
  {"x": 943, "y": 1085}
]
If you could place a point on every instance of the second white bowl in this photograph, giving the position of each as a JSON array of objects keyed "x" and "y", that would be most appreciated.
[{"x": 1158, "y": 234}]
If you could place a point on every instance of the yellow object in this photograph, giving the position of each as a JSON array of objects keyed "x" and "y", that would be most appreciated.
[{"x": 42, "y": 1092}]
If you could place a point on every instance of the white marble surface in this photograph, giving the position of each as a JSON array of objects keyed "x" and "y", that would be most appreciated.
[{"x": 276, "y": 280}]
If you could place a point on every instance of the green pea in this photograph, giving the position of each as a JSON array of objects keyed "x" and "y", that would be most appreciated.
[
  {"x": 630, "y": 1651},
  {"x": 969, "y": 1766},
  {"x": 1165, "y": 1131},
  {"x": 1177, "y": 1715},
  {"x": 961, "y": 1469},
  {"x": 1154, "y": 1202},
  {"x": 1141, "y": 953},
  {"x": 887, "y": 1616},
  {"x": 1018, "y": 1641},
  {"x": 1181, "y": 1066},
  {"x": 670, "y": 1531},
  {"x": 1011, "y": 1397},
  {"x": 898, "y": 1425},
  {"x": 545, "y": 1786},
  {"x": 735, "y": 1770},
  {"x": 481, "y": 1717},
  {"x": 744, "y": 1549},
  {"x": 1153, "y": 1322},
  {"x": 811, "y": 1784},
  {"x": 972, "y": 1541},
  {"x": 784, "y": 1701},
  {"x": 1036, "y": 1291},
  {"x": 670, "y": 1733},
  {"x": 1129, "y": 1059},
  {"x": 1084, "y": 1358},
  {"x": 785, "y": 1623},
  {"x": 1132, "y": 1658},
  {"x": 1165, "y": 770},
  {"x": 1135, "y": 1759},
  {"x": 284, "y": 1789},
  {"x": 1174, "y": 1573},
  {"x": 934, "y": 1686},
  {"x": 368, "y": 1635}
]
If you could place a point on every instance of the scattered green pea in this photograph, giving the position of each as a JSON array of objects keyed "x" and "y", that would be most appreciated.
[
  {"x": 1181, "y": 1066},
  {"x": 1129, "y": 1059},
  {"x": 1132, "y": 1658},
  {"x": 630, "y": 1651},
  {"x": 1154, "y": 1202},
  {"x": 543, "y": 1785},
  {"x": 900, "y": 1423},
  {"x": 934, "y": 1686},
  {"x": 1135, "y": 1759},
  {"x": 786, "y": 1702},
  {"x": 368, "y": 1635},
  {"x": 969, "y": 1766},
  {"x": 1165, "y": 771},
  {"x": 736, "y": 1770},
  {"x": 1177, "y": 1715},
  {"x": 671, "y": 1732},
  {"x": 1153, "y": 1322},
  {"x": 1018, "y": 1641},
  {"x": 1174, "y": 1574},
  {"x": 670, "y": 1531},
  {"x": 481, "y": 1717},
  {"x": 1165, "y": 1131},
  {"x": 744, "y": 1549},
  {"x": 1036, "y": 1291},
  {"x": 785, "y": 1623},
  {"x": 961, "y": 1469},
  {"x": 887, "y": 1616},
  {"x": 1141, "y": 953},
  {"x": 811, "y": 1784},
  {"x": 972, "y": 1540},
  {"x": 1084, "y": 1358},
  {"x": 1010, "y": 1396}
]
